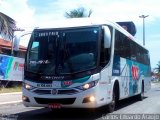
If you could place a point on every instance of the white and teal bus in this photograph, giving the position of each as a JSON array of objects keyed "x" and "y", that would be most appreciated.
[{"x": 84, "y": 63}]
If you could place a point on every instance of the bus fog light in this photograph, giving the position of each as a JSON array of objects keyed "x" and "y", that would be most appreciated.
[
  {"x": 26, "y": 99},
  {"x": 89, "y": 99},
  {"x": 92, "y": 98}
]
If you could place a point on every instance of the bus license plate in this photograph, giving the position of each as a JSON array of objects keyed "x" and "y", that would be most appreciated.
[{"x": 54, "y": 105}]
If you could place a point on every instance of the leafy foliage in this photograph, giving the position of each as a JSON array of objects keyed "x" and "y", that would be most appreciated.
[
  {"x": 7, "y": 26},
  {"x": 78, "y": 13},
  {"x": 157, "y": 69}
]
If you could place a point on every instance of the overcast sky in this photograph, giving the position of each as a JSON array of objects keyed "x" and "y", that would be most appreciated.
[{"x": 34, "y": 13}]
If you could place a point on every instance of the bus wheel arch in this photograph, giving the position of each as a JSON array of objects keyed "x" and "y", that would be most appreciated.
[{"x": 115, "y": 97}]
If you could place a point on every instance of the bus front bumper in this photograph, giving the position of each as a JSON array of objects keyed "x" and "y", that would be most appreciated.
[{"x": 86, "y": 99}]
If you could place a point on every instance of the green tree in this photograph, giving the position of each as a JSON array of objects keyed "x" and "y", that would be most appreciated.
[
  {"x": 78, "y": 13},
  {"x": 157, "y": 69},
  {"x": 7, "y": 26}
]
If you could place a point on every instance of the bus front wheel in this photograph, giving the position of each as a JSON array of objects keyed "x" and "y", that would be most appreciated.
[{"x": 111, "y": 106}]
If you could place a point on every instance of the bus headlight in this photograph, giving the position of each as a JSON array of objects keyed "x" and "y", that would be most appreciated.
[
  {"x": 88, "y": 85},
  {"x": 27, "y": 86}
]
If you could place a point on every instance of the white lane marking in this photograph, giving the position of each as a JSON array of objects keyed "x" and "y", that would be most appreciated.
[
  {"x": 13, "y": 93},
  {"x": 12, "y": 102}
]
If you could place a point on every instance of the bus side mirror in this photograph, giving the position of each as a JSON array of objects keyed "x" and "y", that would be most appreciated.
[
  {"x": 107, "y": 37},
  {"x": 16, "y": 42},
  {"x": 17, "y": 39}
]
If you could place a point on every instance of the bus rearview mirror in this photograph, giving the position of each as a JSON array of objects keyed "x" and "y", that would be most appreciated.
[
  {"x": 17, "y": 39},
  {"x": 16, "y": 42},
  {"x": 107, "y": 37}
]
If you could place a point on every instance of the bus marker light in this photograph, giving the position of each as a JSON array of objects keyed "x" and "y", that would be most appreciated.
[{"x": 67, "y": 83}]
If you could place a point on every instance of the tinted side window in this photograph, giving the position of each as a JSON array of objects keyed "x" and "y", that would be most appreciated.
[
  {"x": 126, "y": 48},
  {"x": 134, "y": 51},
  {"x": 122, "y": 46}
]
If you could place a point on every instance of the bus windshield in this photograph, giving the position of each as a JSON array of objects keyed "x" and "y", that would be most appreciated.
[{"x": 67, "y": 51}]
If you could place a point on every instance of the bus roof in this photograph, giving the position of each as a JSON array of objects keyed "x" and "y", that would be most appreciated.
[{"x": 80, "y": 22}]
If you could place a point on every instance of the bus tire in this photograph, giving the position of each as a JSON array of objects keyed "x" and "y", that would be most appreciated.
[
  {"x": 111, "y": 106},
  {"x": 141, "y": 95}
]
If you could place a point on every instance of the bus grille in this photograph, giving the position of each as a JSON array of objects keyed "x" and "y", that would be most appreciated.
[
  {"x": 59, "y": 91},
  {"x": 42, "y": 91},
  {"x": 63, "y": 101},
  {"x": 70, "y": 91}
]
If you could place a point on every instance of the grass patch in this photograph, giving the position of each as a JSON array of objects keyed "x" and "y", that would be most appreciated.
[{"x": 11, "y": 89}]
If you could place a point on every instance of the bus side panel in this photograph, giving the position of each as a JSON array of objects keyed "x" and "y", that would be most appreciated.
[
  {"x": 124, "y": 78},
  {"x": 105, "y": 84},
  {"x": 130, "y": 74}
]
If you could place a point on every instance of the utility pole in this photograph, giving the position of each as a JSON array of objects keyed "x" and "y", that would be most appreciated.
[{"x": 143, "y": 16}]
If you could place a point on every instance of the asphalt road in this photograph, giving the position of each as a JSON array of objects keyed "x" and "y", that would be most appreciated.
[
  {"x": 149, "y": 108},
  {"x": 8, "y": 98}
]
